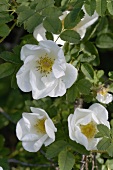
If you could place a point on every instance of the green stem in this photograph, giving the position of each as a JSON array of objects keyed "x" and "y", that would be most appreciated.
[{"x": 2, "y": 39}]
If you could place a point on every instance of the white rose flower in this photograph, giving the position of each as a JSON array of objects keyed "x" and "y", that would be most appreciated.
[
  {"x": 35, "y": 129},
  {"x": 86, "y": 21},
  {"x": 1, "y": 168},
  {"x": 103, "y": 96},
  {"x": 45, "y": 71},
  {"x": 83, "y": 125}
]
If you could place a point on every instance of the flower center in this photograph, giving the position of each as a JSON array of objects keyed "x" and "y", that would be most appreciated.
[
  {"x": 103, "y": 91},
  {"x": 44, "y": 64},
  {"x": 40, "y": 126},
  {"x": 89, "y": 130}
]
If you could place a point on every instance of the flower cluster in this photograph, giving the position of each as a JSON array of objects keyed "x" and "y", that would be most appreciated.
[{"x": 45, "y": 72}]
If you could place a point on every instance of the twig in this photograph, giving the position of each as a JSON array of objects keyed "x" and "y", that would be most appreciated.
[
  {"x": 2, "y": 39},
  {"x": 95, "y": 161},
  {"x": 28, "y": 164},
  {"x": 83, "y": 161},
  {"x": 6, "y": 115}
]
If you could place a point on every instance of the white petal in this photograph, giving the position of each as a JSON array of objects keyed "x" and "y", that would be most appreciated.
[
  {"x": 70, "y": 77},
  {"x": 29, "y": 120},
  {"x": 41, "y": 112},
  {"x": 23, "y": 79},
  {"x": 21, "y": 129},
  {"x": 71, "y": 127},
  {"x": 30, "y": 137},
  {"x": 50, "y": 128},
  {"x": 104, "y": 98},
  {"x": 99, "y": 110},
  {"x": 48, "y": 141},
  {"x": 59, "y": 89},
  {"x": 48, "y": 44},
  {"x": 39, "y": 33},
  {"x": 81, "y": 113},
  {"x": 80, "y": 138},
  {"x": 1, "y": 168},
  {"x": 92, "y": 144},
  {"x": 28, "y": 49},
  {"x": 34, "y": 146},
  {"x": 59, "y": 66},
  {"x": 39, "y": 90}
]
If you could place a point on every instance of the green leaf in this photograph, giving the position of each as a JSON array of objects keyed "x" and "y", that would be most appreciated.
[
  {"x": 70, "y": 36},
  {"x": 73, "y": 18},
  {"x": 87, "y": 70},
  {"x": 49, "y": 36},
  {"x": 4, "y": 30},
  {"x": 101, "y": 6},
  {"x": 100, "y": 73},
  {"x": 110, "y": 74},
  {"x": 110, "y": 150},
  {"x": 105, "y": 40},
  {"x": 72, "y": 93},
  {"x": 86, "y": 57},
  {"x": 104, "y": 131},
  {"x": 90, "y": 49},
  {"x": 10, "y": 57},
  {"x": 3, "y": 2},
  {"x": 64, "y": 2},
  {"x": 104, "y": 144},
  {"x": 78, "y": 148},
  {"x": 6, "y": 69},
  {"x": 110, "y": 7},
  {"x": 84, "y": 86},
  {"x": 90, "y": 6},
  {"x": 32, "y": 22},
  {"x": 5, "y": 17},
  {"x": 44, "y": 4},
  {"x": 111, "y": 87},
  {"x": 48, "y": 12},
  {"x": 66, "y": 160},
  {"x": 4, "y": 164},
  {"x": 24, "y": 15},
  {"x": 53, "y": 24},
  {"x": 55, "y": 148},
  {"x": 4, "y": 5}
]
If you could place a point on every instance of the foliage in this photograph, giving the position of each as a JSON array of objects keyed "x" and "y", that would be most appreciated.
[{"x": 91, "y": 55}]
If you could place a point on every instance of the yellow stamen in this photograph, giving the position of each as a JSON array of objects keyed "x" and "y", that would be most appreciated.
[
  {"x": 44, "y": 64},
  {"x": 89, "y": 130},
  {"x": 103, "y": 91},
  {"x": 40, "y": 126}
]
